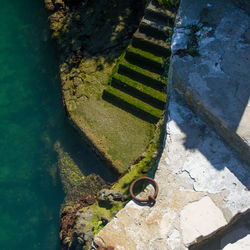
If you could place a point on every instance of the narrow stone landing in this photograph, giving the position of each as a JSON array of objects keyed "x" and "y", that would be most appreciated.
[{"x": 202, "y": 183}]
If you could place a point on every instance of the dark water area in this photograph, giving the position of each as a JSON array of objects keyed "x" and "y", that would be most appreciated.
[{"x": 31, "y": 121}]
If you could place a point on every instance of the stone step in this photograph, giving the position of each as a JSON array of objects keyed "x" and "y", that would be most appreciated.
[
  {"x": 139, "y": 90},
  {"x": 158, "y": 15},
  {"x": 142, "y": 75},
  {"x": 156, "y": 11},
  {"x": 154, "y": 29},
  {"x": 131, "y": 104},
  {"x": 150, "y": 44},
  {"x": 144, "y": 60}
]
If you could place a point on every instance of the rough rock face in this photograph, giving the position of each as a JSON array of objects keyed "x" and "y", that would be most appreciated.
[
  {"x": 49, "y": 5},
  {"x": 68, "y": 231},
  {"x": 108, "y": 197}
]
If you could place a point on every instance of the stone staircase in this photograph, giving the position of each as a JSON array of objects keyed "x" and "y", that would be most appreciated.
[{"x": 138, "y": 84}]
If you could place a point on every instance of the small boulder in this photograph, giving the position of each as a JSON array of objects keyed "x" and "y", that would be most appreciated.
[{"x": 107, "y": 197}]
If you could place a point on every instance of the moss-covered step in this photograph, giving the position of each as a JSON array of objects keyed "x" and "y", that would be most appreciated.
[
  {"x": 150, "y": 44},
  {"x": 156, "y": 29},
  {"x": 144, "y": 59},
  {"x": 139, "y": 90},
  {"x": 142, "y": 75},
  {"x": 131, "y": 104},
  {"x": 155, "y": 11}
]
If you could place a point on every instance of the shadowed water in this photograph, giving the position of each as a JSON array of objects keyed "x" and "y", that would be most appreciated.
[{"x": 31, "y": 121}]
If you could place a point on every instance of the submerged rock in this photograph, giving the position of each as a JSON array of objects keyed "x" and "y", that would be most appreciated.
[
  {"x": 49, "y": 5},
  {"x": 107, "y": 197},
  {"x": 75, "y": 184},
  {"x": 72, "y": 234}
]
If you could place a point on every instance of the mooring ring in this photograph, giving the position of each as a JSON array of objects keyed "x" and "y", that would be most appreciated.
[{"x": 151, "y": 198}]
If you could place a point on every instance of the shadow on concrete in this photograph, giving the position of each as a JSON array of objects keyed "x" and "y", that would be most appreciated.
[
  {"x": 233, "y": 236},
  {"x": 216, "y": 83},
  {"x": 199, "y": 136}
]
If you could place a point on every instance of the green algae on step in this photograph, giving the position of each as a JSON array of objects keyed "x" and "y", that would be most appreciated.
[
  {"x": 144, "y": 59},
  {"x": 139, "y": 90},
  {"x": 152, "y": 29},
  {"x": 154, "y": 10},
  {"x": 137, "y": 106},
  {"x": 150, "y": 44},
  {"x": 142, "y": 75}
]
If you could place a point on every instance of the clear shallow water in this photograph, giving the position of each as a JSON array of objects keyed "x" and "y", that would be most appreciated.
[{"x": 31, "y": 121}]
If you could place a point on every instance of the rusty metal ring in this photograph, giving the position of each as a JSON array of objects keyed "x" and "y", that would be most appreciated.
[{"x": 151, "y": 198}]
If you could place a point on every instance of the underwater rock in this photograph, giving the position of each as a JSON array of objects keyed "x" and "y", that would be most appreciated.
[
  {"x": 49, "y": 5},
  {"x": 72, "y": 235},
  {"x": 59, "y": 4}
]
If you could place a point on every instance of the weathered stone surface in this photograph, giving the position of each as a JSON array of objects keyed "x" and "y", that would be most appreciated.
[
  {"x": 200, "y": 218},
  {"x": 216, "y": 82},
  {"x": 107, "y": 197},
  {"x": 195, "y": 164}
]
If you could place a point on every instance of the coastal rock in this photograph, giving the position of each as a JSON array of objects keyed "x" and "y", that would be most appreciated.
[
  {"x": 107, "y": 197},
  {"x": 59, "y": 4},
  {"x": 49, "y": 5},
  {"x": 72, "y": 234}
]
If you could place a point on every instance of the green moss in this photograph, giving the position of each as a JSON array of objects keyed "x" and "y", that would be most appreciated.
[
  {"x": 141, "y": 87},
  {"x": 146, "y": 164},
  {"x": 60, "y": 26},
  {"x": 145, "y": 54},
  {"x": 138, "y": 104},
  {"x": 165, "y": 66},
  {"x": 169, "y": 3},
  {"x": 116, "y": 67},
  {"x": 142, "y": 71},
  {"x": 97, "y": 227},
  {"x": 71, "y": 175},
  {"x": 193, "y": 52}
]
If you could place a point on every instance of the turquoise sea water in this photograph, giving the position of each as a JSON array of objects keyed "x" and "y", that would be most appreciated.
[{"x": 31, "y": 121}]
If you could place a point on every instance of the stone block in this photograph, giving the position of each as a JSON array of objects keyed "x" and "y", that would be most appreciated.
[{"x": 199, "y": 219}]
